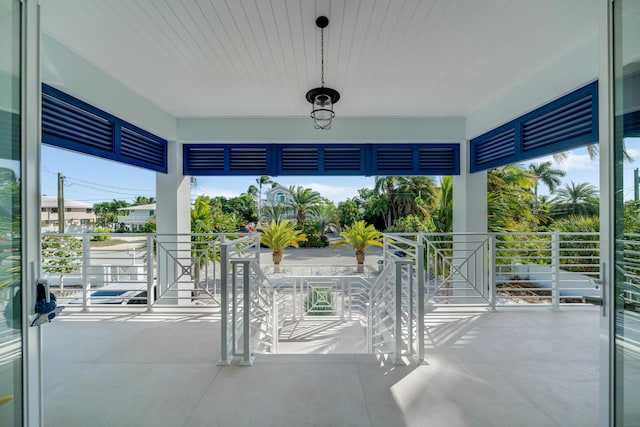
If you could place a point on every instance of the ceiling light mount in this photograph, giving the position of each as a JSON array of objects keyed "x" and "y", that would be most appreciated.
[{"x": 322, "y": 98}]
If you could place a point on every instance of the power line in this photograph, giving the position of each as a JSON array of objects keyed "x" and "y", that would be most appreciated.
[
  {"x": 136, "y": 193},
  {"x": 98, "y": 184},
  {"x": 108, "y": 186}
]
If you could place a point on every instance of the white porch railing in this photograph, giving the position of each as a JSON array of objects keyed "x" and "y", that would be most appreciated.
[
  {"x": 95, "y": 269},
  {"x": 420, "y": 270},
  {"x": 498, "y": 269}
]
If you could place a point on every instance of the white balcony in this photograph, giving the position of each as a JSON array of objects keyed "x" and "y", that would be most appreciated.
[
  {"x": 512, "y": 367},
  {"x": 506, "y": 361}
]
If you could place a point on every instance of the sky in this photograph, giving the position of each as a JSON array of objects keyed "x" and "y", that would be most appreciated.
[{"x": 92, "y": 180}]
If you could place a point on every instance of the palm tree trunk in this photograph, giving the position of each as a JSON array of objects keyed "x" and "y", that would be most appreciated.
[
  {"x": 277, "y": 258},
  {"x": 360, "y": 260}
]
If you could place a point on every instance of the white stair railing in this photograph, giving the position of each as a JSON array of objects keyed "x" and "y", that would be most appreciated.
[
  {"x": 235, "y": 298},
  {"x": 396, "y": 312}
]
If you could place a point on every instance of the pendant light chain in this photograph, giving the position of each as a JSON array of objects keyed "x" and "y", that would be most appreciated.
[{"x": 322, "y": 55}]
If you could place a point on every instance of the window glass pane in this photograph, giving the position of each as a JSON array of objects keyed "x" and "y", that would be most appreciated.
[
  {"x": 10, "y": 295},
  {"x": 627, "y": 218}
]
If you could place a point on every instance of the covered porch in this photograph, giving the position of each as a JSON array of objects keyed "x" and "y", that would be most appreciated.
[{"x": 511, "y": 367}]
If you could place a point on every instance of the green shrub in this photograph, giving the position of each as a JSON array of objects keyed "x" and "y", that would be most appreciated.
[
  {"x": 102, "y": 237},
  {"x": 410, "y": 224},
  {"x": 319, "y": 302},
  {"x": 315, "y": 241}
]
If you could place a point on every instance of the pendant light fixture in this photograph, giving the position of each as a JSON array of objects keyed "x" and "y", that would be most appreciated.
[{"x": 322, "y": 98}]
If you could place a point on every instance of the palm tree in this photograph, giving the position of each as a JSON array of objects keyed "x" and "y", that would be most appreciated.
[
  {"x": 405, "y": 195},
  {"x": 386, "y": 185},
  {"x": 303, "y": 201},
  {"x": 143, "y": 200},
  {"x": 442, "y": 216},
  {"x": 549, "y": 177},
  {"x": 274, "y": 211},
  {"x": 509, "y": 198},
  {"x": 278, "y": 237},
  {"x": 327, "y": 216},
  {"x": 201, "y": 224},
  {"x": 360, "y": 236},
  {"x": 261, "y": 181},
  {"x": 576, "y": 199}
]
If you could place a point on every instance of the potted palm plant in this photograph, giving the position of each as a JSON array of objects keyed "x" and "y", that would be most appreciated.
[
  {"x": 278, "y": 236},
  {"x": 360, "y": 236}
]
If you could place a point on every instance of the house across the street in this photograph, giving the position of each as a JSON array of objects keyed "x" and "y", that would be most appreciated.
[{"x": 136, "y": 216}]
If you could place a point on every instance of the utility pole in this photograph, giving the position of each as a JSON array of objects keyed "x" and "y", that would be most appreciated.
[{"x": 60, "y": 203}]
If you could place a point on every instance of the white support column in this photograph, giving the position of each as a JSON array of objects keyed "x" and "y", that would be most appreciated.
[
  {"x": 469, "y": 216},
  {"x": 173, "y": 195},
  {"x": 469, "y": 197},
  {"x": 173, "y": 218}
]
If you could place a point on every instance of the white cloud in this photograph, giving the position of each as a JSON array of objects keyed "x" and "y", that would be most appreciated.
[
  {"x": 333, "y": 192},
  {"x": 575, "y": 161},
  {"x": 578, "y": 162}
]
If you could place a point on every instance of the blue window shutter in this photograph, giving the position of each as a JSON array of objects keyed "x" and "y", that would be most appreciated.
[
  {"x": 416, "y": 159},
  {"x": 321, "y": 159},
  {"x": 227, "y": 159},
  {"x": 137, "y": 146},
  {"x": 203, "y": 159},
  {"x": 248, "y": 159},
  {"x": 345, "y": 159},
  {"x": 493, "y": 148},
  {"x": 568, "y": 122},
  {"x": 299, "y": 159},
  {"x": 68, "y": 125},
  {"x": 73, "y": 124},
  {"x": 439, "y": 159}
]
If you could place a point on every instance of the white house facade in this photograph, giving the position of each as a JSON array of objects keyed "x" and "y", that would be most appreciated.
[{"x": 78, "y": 216}]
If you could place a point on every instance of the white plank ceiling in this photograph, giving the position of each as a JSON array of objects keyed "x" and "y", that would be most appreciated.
[{"x": 259, "y": 57}]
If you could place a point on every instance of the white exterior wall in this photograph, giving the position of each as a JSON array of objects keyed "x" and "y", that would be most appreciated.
[
  {"x": 571, "y": 71},
  {"x": 70, "y": 73},
  {"x": 300, "y": 129}
]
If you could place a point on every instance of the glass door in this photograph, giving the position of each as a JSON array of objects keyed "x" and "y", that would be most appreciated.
[
  {"x": 11, "y": 341},
  {"x": 626, "y": 71}
]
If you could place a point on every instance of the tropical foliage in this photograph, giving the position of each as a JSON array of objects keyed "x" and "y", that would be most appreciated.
[
  {"x": 202, "y": 223},
  {"x": 348, "y": 212},
  {"x": 403, "y": 196},
  {"x": 360, "y": 236},
  {"x": 576, "y": 199},
  {"x": 550, "y": 177},
  {"x": 107, "y": 213},
  {"x": 61, "y": 254},
  {"x": 280, "y": 235},
  {"x": 303, "y": 202},
  {"x": 243, "y": 208}
]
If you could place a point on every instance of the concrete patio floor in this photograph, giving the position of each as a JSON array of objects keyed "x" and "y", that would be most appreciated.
[{"x": 513, "y": 367}]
